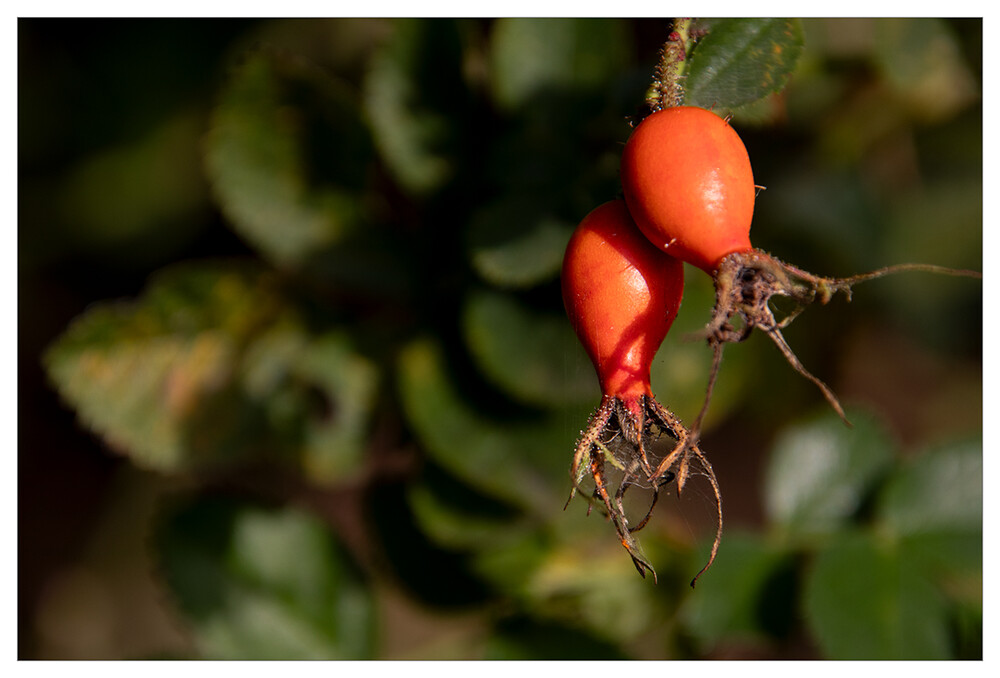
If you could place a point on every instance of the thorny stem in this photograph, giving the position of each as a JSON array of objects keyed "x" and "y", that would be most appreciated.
[
  {"x": 744, "y": 285},
  {"x": 667, "y": 88}
]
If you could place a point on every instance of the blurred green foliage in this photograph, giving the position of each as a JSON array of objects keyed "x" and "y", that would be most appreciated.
[
  {"x": 381, "y": 366},
  {"x": 259, "y": 583}
]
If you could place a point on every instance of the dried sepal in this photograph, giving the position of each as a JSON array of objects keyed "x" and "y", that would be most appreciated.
[
  {"x": 746, "y": 281},
  {"x": 634, "y": 424}
]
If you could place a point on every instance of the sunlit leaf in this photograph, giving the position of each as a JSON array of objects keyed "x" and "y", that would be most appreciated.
[
  {"x": 821, "y": 471},
  {"x": 256, "y": 583},
  {"x": 210, "y": 366},
  {"x": 286, "y": 154},
  {"x": 534, "y": 57},
  {"x": 534, "y": 356},
  {"x": 742, "y": 60},
  {"x": 156, "y": 378},
  {"x": 865, "y": 601},
  {"x": 584, "y": 582}
]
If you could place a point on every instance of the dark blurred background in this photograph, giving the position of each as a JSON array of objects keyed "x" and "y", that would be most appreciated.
[{"x": 446, "y": 163}]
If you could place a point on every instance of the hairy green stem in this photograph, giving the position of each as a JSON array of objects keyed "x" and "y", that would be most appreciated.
[{"x": 668, "y": 89}]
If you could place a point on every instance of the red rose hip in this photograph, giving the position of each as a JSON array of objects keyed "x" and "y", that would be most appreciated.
[
  {"x": 689, "y": 186},
  {"x": 621, "y": 295}
]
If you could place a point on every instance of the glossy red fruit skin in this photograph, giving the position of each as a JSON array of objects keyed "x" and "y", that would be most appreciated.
[
  {"x": 689, "y": 185},
  {"x": 621, "y": 294}
]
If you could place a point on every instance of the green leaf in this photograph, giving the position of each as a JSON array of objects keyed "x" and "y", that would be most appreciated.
[
  {"x": 210, "y": 366},
  {"x": 455, "y": 516},
  {"x": 515, "y": 243},
  {"x": 935, "y": 506},
  {"x": 588, "y": 583},
  {"x": 533, "y": 356},
  {"x": 319, "y": 395},
  {"x": 421, "y": 559},
  {"x": 820, "y": 471},
  {"x": 156, "y": 378},
  {"x": 515, "y": 460},
  {"x": 157, "y": 190},
  {"x": 941, "y": 490},
  {"x": 258, "y": 583},
  {"x": 285, "y": 155},
  {"x": 413, "y": 97},
  {"x": 561, "y": 86},
  {"x": 737, "y": 600},
  {"x": 864, "y": 601},
  {"x": 924, "y": 63},
  {"x": 335, "y": 440},
  {"x": 532, "y": 58},
  {"x": 741, "y": 61}
]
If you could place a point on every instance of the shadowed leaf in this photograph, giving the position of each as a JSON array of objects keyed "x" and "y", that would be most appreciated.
[
  {"x": 284, "y": 153},
  {"x": 534, "y": 356},
  {"x": 733, "y": 597},
  {"x": 864, "y": 601},
  {"x": 516, "y": 461},
  {"x": 261, "y": 583},
  {"x": 529, "y": 639},
  {"x": 516, "y": 244},
  {"x": 935, "y": 505},
  {"x": 531, "y": 56},
  {"x": 412, "y": 96}
]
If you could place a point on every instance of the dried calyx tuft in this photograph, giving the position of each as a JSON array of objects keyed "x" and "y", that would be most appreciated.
[
  {"x": 746, "y": 281},
  {"x": 620, "y": 433}
]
